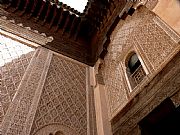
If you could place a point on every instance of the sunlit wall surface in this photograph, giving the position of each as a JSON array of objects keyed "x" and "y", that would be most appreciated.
[
  {"x": 79, "y": 5},
  {"x": 10, "y": 49},
  {"x": 14, "y": 60}
]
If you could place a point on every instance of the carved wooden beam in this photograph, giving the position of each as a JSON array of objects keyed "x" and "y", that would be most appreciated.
[
  {"x": 55, "y": 13},
  {"x": 60, "y": 19},
  {"x": 41, "y": 10},
  {"x": 33, "y": 7},
  {"x": 25, "y": 7},
  {"x": 47, "y": 13},
  {"x": 67, "y": 20}
]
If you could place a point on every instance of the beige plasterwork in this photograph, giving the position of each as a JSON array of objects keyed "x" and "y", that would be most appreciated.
[
  {"x": 156, "y": 44},
  {"x": 19, "y": 117},
  {"x": 12, "y": 72},
  {"x": 64, "y": 96}
]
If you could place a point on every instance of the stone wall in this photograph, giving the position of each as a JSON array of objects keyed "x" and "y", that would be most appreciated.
[{"x": 154, "y": 42}]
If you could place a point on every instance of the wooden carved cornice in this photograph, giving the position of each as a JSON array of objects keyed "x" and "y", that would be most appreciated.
[
  {"x": 35, "y": 38},
  {"x": 78, "y": 35}
]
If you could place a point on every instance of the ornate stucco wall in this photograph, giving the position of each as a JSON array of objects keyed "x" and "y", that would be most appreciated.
[
  {"x": 14, "y": 61},
  {"x": 63, "y": 99},
  {"x": 54, "y": 93},
  {"x": 19, "y": 116},
  {"x": 12, "y": 74},
  {"x": 52, "y": 96},
  {"x": 155, "y": 44}
]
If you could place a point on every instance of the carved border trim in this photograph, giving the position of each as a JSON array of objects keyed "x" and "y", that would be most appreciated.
[
  {"x": 170, "y": 31},
  {"x": 23, "y": 101},
  {"x": 38, "y": 94},
  {"x": 23, "y": 32}
]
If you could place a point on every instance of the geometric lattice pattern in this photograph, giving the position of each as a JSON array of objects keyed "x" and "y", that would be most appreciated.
[
  {"x": 156, "y": 44},
  {"x": 115, "y": 87},
  {"x": 137, "y": 76},
  {"x": 63, "y": 99},
  {"x": 120, "y": 38},
  {"x": 14, "y": 59}
]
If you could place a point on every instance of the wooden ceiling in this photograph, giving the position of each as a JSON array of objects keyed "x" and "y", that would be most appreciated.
[{"x": 80, "y": 36}]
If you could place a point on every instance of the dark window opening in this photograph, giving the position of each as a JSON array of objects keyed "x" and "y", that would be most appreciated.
[
  {"x": 133, "y": 63},
  {"x": 131, "y": 11},
  {"x": 135, "y": 70}
]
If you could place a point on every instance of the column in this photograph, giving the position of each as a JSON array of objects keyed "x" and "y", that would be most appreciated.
[{"x": 101, "y": 108}]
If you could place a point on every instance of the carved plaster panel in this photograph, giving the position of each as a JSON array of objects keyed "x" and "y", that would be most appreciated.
[
  {"x": 143, "y": 34},
  {"x": 63, "y": 99},
  {"x": 121, "y": 36},
  {"x": 14, "y": 60},
  {"x": 113, "y": 70},
  {"x": 155, "y": 43},
  {"x": 115, "y": 87},
  {"x": 18, "y": 119}
]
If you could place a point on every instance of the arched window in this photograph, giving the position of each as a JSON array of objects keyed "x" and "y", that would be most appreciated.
[
  {"x": 135, "y": 70},
  {"x": 133, "y": 63}
]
